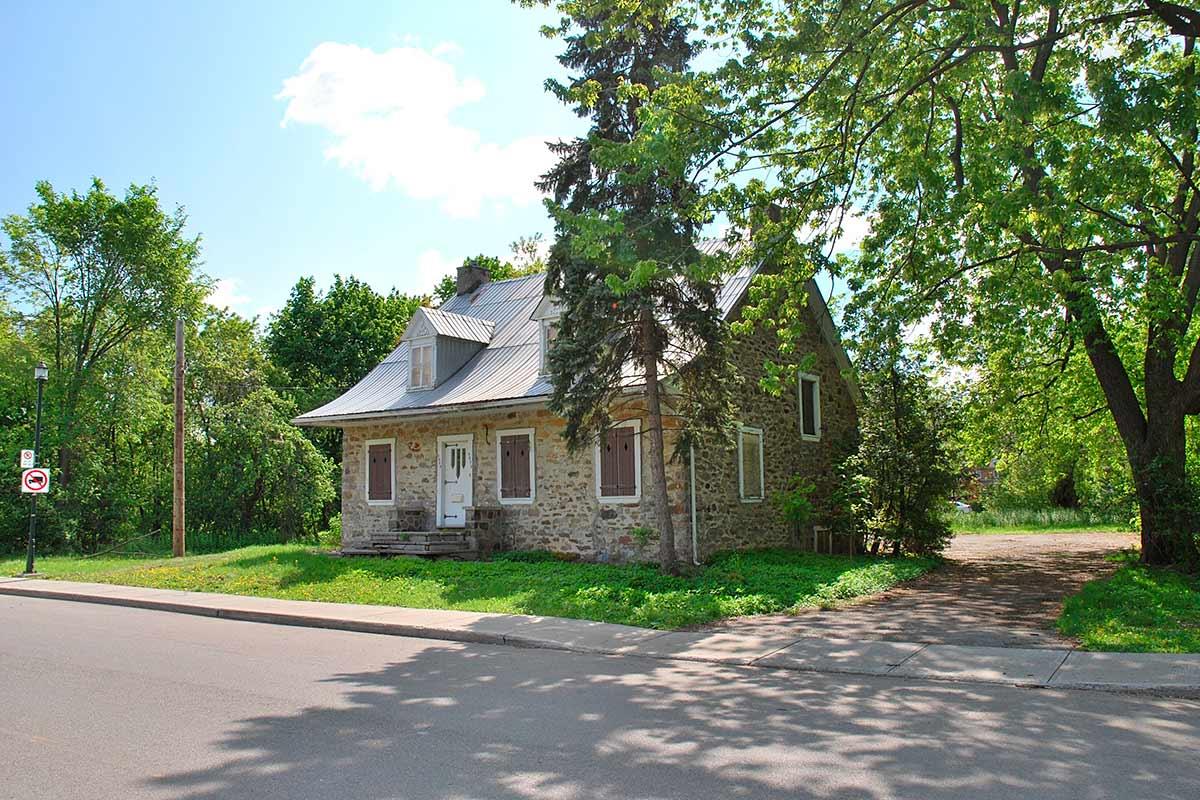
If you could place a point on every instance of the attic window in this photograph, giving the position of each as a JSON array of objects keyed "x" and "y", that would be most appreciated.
[
  {"x": 549, "y": 334},
  {"x": 421, "y": 373},
  {"x": 810, "y": 407}
]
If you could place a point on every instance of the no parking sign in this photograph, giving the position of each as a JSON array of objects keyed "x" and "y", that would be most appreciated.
[{"x": 35, "y": 481}]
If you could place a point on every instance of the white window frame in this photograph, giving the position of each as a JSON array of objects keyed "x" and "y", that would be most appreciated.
[
  {"x": 391, "y": 443},
  {"x": 431, "y": 343},
  {"x": 544, "y": 326},
  {"x": 516, "y": 501},
  {"x": 636, "y": 497},
  {"x": 816, "y": 379},
  {"x": 762, "y": 475}
]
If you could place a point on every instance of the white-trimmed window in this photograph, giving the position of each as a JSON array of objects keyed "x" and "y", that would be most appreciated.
[
  {"x": 380, "y": 472},
  {"x": 516, "y": 482},
  {"x": 810, "y": 407},
  {"x": 618, "y": 463},
  {"x": 549, "y": 334},
  {"x": 751, "y": 480},
  {"x": 421, "y": 357}
]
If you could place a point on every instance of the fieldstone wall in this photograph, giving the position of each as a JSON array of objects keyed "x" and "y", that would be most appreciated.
[
  {"x": 725, "y": 521},
  {"x": 565, "y": 517}
]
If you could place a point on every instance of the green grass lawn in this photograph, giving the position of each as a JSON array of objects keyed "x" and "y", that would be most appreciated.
[
  {"x": 1137, "y": 609},
  {"x": 967, "y": 528},
  {"x": 734, "y": 584},
  {"x": 1018, "y": 521}
]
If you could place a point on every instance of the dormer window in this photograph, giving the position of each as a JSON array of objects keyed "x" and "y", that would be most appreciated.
[
  {"x": 547, "y": 314},
  {"x": 549, "y": 334},
  {"x": 421, "y": 365}
]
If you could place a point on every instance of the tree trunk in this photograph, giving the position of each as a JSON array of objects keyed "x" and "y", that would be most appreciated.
[
  {"x": 1166, "y": 501},
  {"x": 660, "y": 502}
]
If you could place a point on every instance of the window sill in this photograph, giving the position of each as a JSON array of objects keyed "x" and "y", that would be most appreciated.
[
  {"x": 381, "y": 502},
  {"x": 804, "y": 437},
  {"x": 629, "y": 500},
  {"x": 515, "y": 501},
  {"x": 751, "y": 500}
]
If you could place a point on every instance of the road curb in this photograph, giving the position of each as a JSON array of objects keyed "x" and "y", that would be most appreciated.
[{"x": 211, "y": 605}]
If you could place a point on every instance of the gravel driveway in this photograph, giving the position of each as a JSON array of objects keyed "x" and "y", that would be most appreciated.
[{"x": 994, "y": 590}]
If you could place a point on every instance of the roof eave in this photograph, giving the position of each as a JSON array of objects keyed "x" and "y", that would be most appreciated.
[{"x": 334, "y": 421}]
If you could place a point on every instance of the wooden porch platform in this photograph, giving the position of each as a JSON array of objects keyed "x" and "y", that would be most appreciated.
[{"x": 441, "y": 543}]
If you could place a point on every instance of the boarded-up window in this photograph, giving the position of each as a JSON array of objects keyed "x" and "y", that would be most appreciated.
[
  {"x": 750, "y": 464},
  {"x": 810, "y": 407},
  {"x": 619, "y": 463},
  {"x": 516, "y": 466},
  {"x": 379, "y": 472}
]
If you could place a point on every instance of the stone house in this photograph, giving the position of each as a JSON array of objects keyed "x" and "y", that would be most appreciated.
[{"x": 448, "y": 444}]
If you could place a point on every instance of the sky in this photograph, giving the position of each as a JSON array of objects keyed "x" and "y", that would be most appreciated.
[{"x": 385, "y": 140}]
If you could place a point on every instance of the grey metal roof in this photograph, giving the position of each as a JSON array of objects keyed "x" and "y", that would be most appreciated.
[
  {"x": 458, "y": 326},
  {"x": 505, "y": 371}
]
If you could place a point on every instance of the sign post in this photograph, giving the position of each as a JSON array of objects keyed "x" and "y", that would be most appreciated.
[{"x": 35, "y": 481}]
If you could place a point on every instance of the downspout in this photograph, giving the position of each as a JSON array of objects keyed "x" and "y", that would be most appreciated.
[{"x": 692, "y": 492}]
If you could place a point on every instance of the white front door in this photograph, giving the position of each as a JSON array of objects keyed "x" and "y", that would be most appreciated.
[{"x": 455, "y": 467}]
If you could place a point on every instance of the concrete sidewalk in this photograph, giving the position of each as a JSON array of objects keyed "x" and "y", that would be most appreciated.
[{"x": 1174, "y": 675}]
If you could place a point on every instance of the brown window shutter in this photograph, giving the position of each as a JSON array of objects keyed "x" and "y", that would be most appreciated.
[
  {"x": 521, "y": 467},
  {"x": 608, "y": 465},
  {"x": 379, "y": 478},
  {"x": 514, "y": 466},
  {"x": 506, "y": 487},
  {"x": 626, "y": 463}
]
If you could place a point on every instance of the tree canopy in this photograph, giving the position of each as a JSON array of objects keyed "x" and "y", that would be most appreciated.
[{"x": 1027, "y": 172}]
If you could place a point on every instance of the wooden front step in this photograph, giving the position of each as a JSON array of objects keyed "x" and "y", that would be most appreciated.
[
  {"x": 417, "y": 537},
  {"x": 419, "y": 543}
]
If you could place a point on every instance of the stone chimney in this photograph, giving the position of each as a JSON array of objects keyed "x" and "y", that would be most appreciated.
[{"x": 471, "y": 276}]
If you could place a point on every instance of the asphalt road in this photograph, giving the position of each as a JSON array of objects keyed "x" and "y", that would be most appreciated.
[{"x": 99, "y": 702}]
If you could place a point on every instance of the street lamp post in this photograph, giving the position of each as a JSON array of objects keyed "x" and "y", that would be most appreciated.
[{"x": 40, "y": 374}]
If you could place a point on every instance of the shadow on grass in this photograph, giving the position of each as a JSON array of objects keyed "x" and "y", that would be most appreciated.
[{"x": 448, "y": 722}]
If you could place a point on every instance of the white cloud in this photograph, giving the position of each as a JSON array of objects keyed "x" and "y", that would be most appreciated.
[
  {"x": 432, "y": 265},
  {"x": 390, "y": 115},
  {"x": 446, "y": 49},
  {"x": 855, "y": 228},
  {"x": 225, "y": 294}
]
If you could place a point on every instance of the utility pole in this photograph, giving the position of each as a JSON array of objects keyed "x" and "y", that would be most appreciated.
[
  {"x": 40, "y": 374},
  {"x": 177, "y": 515}
]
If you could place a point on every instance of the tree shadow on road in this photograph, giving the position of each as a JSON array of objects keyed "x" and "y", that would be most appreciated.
[{"x": 455, "y": 721}]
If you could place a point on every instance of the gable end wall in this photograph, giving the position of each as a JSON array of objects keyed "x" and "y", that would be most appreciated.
[{"x": 727, "y": 523}]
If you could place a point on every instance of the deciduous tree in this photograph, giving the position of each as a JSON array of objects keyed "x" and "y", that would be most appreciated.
[{"x": 1028, "y": 171}]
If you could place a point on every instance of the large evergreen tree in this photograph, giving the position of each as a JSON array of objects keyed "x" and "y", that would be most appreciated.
[{"x": 638, "y": 299}]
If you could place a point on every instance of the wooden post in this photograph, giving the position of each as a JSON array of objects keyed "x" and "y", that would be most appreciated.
[{"x": 177, "y": 515}]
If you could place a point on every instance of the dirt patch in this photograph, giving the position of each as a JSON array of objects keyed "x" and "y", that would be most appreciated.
[{"x": 995, "y": 590}]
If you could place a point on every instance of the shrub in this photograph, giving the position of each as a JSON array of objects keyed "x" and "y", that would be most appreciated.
[
  {"x": 331, "y": 536},
  {"x": 898, "y": 481},
  {"x": 793, "y": 501}
]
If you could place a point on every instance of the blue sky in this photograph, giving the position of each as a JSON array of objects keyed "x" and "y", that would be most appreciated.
[{"x": 386, "y": 140}]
